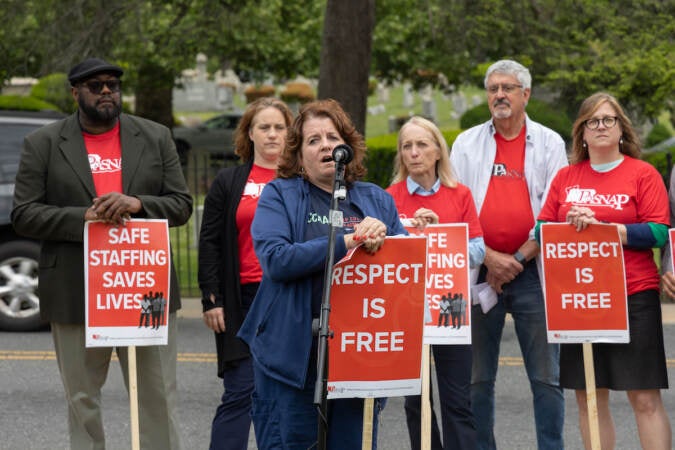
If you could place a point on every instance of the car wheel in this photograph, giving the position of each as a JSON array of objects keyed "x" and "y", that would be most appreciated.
[{"x": 19, "y": 302}]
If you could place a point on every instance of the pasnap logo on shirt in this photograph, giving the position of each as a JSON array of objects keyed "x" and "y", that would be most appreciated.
[
  {"x": 579, "y": 196},
  {"x": 501, "y": 170},
  {"x": 253, "y": 189},
  {"x": 101, "y": 165}
]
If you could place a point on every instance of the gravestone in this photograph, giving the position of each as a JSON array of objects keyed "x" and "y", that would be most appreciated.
[{"x": 408, "y": 96}]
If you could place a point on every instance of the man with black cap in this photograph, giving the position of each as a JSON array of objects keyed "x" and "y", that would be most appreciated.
[{"x": 100, "y": 164}]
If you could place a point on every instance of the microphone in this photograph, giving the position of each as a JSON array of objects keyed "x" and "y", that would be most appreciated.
[{"x": 343, "y": 154}]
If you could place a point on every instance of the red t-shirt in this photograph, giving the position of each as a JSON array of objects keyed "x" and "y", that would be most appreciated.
[
  {"x": 453, "y": 205},
  {"x": 249, "y": 267},
  {"x": 105, "y": 160},
  {"x": 632, "y": 192},
  {"x": 506, "y": 216}
]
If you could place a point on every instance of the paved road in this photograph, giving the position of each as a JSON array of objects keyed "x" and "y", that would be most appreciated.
[{"x": 33, "y": 414}]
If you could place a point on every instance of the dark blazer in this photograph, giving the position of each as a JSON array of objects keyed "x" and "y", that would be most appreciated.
[
  {"x": 54, "y": 188},
  {"x": 219, "y": 259}
]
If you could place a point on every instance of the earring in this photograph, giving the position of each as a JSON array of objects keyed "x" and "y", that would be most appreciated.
[{"x": 584, "y": 145}]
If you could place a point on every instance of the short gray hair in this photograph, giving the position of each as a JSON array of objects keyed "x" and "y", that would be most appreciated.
[{"x": 510, "y": 67}]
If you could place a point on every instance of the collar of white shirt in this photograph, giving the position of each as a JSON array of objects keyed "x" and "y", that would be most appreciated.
[{"x": 414, "y": 188}]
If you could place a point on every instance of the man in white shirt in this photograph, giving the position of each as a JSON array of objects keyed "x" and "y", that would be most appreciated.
[{"x": 508, "y": 163}]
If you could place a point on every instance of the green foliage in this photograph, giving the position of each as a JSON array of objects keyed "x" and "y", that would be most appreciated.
[
  {"x": 17, "y": 50},
  {"x": 550, "y": 117},
  {"x": 23, "y": 103},
  {"x": 625, "y": 48},
  {"x": 54, "y": 89},
  {"x": 381, "y": 153},
  {"x": 474, "y": 116},
  {"x": 450, "y": 136},
  {"x": 380, "y": 159},
  {"x": 264, "y": 38},
  {"x": 658, "y": 133},
  {"x": 574, "y": 47},
  {"x": 537, "y": 110},
  {"x": 660, "y": 161}
]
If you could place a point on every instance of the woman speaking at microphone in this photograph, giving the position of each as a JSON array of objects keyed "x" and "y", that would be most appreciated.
[
  {"x": 290, "y": 235},
  {"x": 425, "y": 191}
]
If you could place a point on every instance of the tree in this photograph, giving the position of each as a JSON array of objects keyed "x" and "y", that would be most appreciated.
[
  {"x": 265, "y": 38},
  {"x": 572, "y": 47},
  {"x": 624, "y": 47},
  {"x": 345, "y": 56},
  {"x": 15, "y": 54},
  {"x": 158, "y": 41}
]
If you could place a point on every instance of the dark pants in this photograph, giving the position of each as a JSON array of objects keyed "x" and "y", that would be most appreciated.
[
  {"x": 231, "y": 425},
  {"x": 456, "y": 321},
  {"x": 145, "y": 318},
  {"x": 232, "y": 422},
  {"x": 453, "y": 370}
]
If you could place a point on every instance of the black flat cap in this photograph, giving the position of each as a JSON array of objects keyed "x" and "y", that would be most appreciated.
[{"x": 90, "y": 67}]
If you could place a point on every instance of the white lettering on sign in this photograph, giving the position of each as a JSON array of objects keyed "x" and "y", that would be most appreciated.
[
  {"x": 123, "y": 235},
  {"x": 126, "y": 279},
  {"x": 447, "y": 260},
  {"x": 440, "y": 281},
  {"x": 373, "y": 308},
  {"x": 440, "y": 240},
  {"x": 124, "y": 257},
  {"x": 118, "y": 301},
  {"x": 364, "y": 341},
  {"x": 591, "y": 300},
  {"x": 564, "y": 250},
  {"x": 370, "y": 273}
]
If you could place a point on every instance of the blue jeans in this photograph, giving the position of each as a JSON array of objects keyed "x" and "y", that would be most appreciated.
[
  {"x": 285, "y": 418},
  {"x": 232, "y": 422},
  {"x": 523, "y": 298}
]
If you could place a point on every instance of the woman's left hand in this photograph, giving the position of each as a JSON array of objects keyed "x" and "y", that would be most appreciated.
[
  {"x": 371, "y": 232},
  {"x": 581, "y": 217},
  {"x": 424, "y": 217}
]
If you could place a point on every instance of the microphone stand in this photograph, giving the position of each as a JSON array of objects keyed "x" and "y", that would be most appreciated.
[{"x": 321, "y": 329}]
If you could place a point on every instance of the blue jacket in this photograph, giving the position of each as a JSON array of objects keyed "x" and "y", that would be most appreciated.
[{"x": 278, "y": 327}]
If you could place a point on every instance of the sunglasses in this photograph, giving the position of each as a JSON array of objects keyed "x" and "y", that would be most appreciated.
[{"x": 96, "y": 86}]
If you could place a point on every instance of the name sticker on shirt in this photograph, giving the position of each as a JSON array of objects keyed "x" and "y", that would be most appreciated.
[{"x": 336, "y": 218}]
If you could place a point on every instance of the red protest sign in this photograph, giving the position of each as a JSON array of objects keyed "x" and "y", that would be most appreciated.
[
  {"x": 584, "y": 284},
  {"x": 127, "y": 283},
  {"x": 447, "y": 285},
  {"x": 377, "y": 317}
]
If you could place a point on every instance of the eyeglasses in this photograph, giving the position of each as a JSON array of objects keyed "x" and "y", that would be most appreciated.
[
  {"x": 96, "y": 86},
  {"x": 506, "y": 88},
  {"x": 607, "y": 122}
]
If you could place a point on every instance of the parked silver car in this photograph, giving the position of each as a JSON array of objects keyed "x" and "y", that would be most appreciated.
[{"x": 19, "y": 302}]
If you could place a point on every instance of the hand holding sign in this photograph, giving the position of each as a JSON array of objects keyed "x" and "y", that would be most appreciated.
[
  {"x": 584, "y": 284},
  {"x": 376, "y": 316},
  {"x": 115, "y": 208},
  {"x": 127, "y": 283}
]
